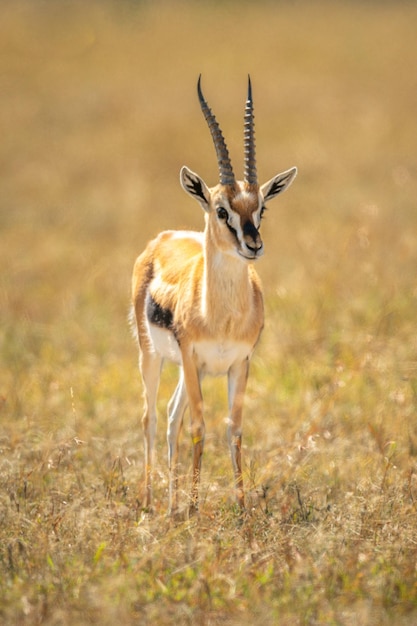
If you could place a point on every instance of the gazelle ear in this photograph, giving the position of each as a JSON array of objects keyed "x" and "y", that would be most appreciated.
[
  {"x": 279, "y": 183},
  {"x": 195, "y": 186}
]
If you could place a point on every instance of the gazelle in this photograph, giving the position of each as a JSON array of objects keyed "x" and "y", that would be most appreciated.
[{"x": 198, "y": 302}]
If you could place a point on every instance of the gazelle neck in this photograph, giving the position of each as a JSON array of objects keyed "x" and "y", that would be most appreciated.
[{"x": 226, "y": 289}]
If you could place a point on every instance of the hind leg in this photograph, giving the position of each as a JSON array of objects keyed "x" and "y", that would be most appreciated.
[
  {"x": 237, "y": 379},
  {"x": 150, "y": 365},
  {"x": 176, "y": 408}
]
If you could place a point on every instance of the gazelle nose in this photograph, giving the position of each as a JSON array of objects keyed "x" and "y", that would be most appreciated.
[
  {"x": 254, "y": 246},
  {"x": 251, "y": 237}
]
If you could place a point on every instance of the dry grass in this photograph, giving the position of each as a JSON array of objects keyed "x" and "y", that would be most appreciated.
[{"x": 99, "y": 113}]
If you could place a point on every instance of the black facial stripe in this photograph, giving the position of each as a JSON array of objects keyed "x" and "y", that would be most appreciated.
[{"x": 158, "y": 315}]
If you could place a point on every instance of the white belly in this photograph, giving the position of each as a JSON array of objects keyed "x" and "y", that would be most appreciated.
[
  {"x": 216, "y": 357},
  {"x": 164, "y": 343},
  {"x": 213, "y": 357}
]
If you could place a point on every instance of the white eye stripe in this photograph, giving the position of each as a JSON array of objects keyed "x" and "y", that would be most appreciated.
[
  {"x": 257, "y": 215},
  {"x": 234, "y": 221}
]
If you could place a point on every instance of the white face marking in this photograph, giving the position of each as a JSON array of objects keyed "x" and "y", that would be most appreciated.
[
  {"x": 244, "y": 196},
  {"x": 234, "y": 221},
  {"x": 257, "y": 213}
]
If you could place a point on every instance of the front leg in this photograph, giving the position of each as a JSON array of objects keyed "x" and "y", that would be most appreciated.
[
  {"x": 195, "y": 399},
  {"x": 237, "y": 379}
]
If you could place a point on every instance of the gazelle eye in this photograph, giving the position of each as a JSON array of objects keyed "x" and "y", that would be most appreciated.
[
  {"x": 222, "y": 213},
  {"x": 263, "y": 209}
]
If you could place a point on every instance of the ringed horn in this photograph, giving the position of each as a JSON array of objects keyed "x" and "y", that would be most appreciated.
[
  {"x": 227, "y": 176},
  {"x": 250, "y": 175}
]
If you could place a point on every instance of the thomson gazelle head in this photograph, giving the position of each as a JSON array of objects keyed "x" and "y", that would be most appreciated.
[{"x": 234, "y": 208}]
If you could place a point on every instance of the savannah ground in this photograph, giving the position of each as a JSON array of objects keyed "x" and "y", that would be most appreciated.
[{"x": 99, "y": 112}]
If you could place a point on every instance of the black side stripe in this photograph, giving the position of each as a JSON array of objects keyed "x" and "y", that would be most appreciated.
[{"x": 157, "y": 315}]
